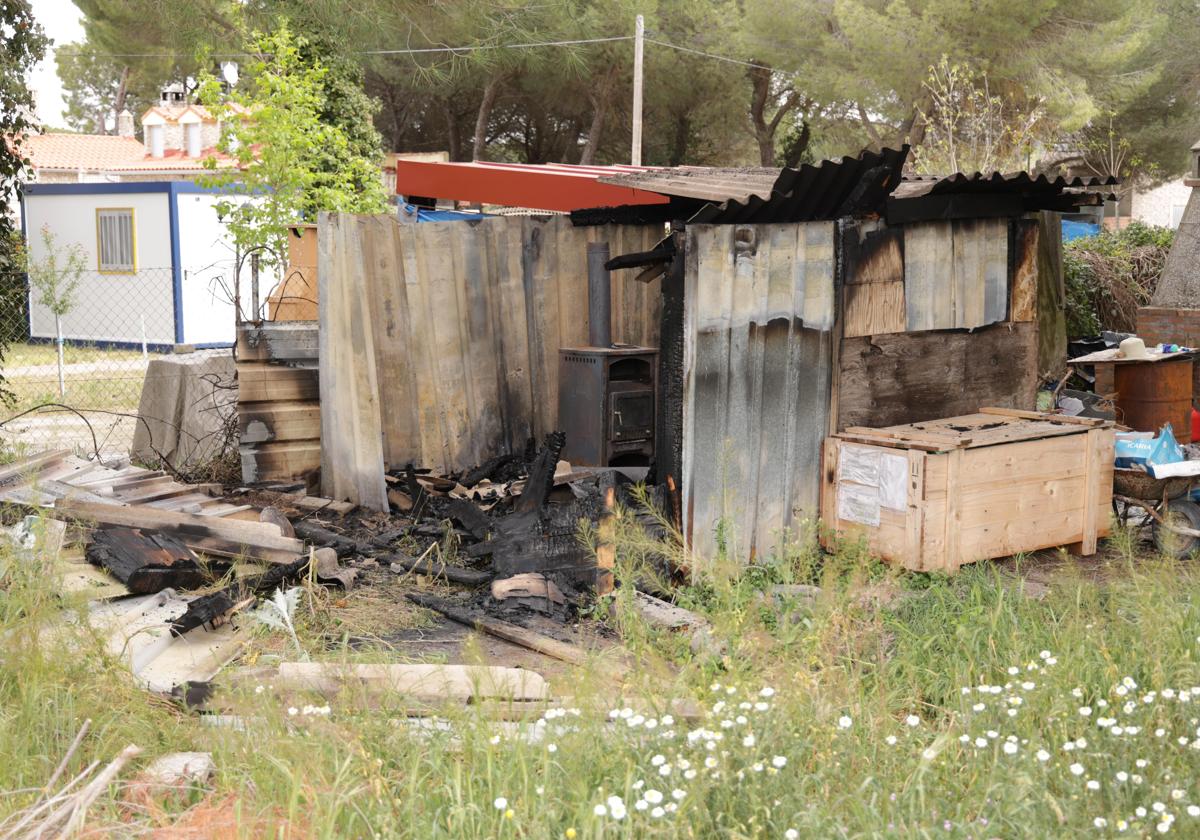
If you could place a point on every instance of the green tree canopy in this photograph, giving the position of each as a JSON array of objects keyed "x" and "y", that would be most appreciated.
[{"x": 292, "y": 160}]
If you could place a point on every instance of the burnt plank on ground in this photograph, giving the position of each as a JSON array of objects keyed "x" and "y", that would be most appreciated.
[{"x": 146, "y": 563}]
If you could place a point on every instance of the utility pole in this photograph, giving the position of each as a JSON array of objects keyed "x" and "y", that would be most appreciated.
[{"x": 639, "y": 49}]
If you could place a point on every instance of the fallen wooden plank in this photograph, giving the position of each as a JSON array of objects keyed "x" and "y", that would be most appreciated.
[
  {"x": 27, "y": 468},
  {"x": 424, "y": 682},
  {"x": 212, "y": 534},
  {"x": 660, "y": 613},
  {"x": 514, "y": 633}
]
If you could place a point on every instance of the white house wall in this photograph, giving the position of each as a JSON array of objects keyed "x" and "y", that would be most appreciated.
[
  {"x": 1163, "y": 205},
  {"x": 109, "y": 306},
  {"x": 208, "y": 261}
]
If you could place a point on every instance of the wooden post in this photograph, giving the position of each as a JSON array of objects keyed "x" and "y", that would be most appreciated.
[
  {"x": 639, "y": 49},
  {"x": 606, "y": 552}
]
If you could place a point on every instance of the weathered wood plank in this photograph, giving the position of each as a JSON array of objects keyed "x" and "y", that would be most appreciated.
[
  {"x": 352, "y": 459},
  {"x": 909, "y": 377}
]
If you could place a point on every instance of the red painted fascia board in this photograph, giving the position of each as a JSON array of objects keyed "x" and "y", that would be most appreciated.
[{"x": 547, "y": 187}]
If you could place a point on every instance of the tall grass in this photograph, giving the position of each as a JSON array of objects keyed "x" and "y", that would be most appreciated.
[{"x": 889, "y": 706}]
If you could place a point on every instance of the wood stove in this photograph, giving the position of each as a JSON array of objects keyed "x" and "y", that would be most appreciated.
[
  {"x": 606, "y": 401},
  {"x": 606, "y": 392}
]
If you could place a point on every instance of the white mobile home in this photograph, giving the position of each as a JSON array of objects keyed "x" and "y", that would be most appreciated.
[{"x": 160, "y": 263}]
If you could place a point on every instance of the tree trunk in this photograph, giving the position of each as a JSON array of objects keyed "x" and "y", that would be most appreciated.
[
  {"x": 62, "y": 380},
  {"x": 453, "y": 141},
  {"x": 601, "y": 99},
  {"x": 484, "y": 114},
  {"x": 683, "y": 131},
  {"x": 765, "y": 129},
  {"x": 122, "y": 91},
  {"x": 760, "y": 90}
]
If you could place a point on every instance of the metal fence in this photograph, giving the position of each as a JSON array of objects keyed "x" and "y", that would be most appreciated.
[{"x": 76, "y": 377}]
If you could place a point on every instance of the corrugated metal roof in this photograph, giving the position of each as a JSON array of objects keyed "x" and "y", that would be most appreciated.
[
  {"x": 705, "y": 183},
  {"x": 995, "y": 183},
  {"x": 828, "y": 190}
]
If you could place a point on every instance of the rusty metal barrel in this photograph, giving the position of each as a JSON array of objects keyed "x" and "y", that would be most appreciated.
[{"x": 1150, "y": 394}]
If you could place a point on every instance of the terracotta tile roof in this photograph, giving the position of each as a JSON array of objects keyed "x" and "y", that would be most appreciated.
[
  {"x": 174, "y": 160},
  {"x": 82, "y": 151},
  {"x": 109, "y": 153}
]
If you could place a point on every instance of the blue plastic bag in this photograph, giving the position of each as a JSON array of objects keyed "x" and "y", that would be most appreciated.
[{"x": 1143, "y": 451}]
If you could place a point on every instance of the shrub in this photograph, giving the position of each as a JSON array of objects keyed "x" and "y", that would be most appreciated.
[{"x": 1108, "y": 276}]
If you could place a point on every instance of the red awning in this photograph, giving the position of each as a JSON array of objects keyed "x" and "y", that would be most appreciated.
[{"x": 546, "y": 186}]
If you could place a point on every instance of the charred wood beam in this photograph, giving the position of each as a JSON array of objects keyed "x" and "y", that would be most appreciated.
[
  {"x": 315, "y": 534},
  {"x": 470, "y": 517},
  {"x": 146, "y": 563},
  {"x": 432, "y": 568},
  {"x": 487, "y": 470},
  {"x": 662, "y": 254},
  {"x": 209, "y": 607},
  {"x": 513, "y": 633},
  {"x": 541, "y": 475}
]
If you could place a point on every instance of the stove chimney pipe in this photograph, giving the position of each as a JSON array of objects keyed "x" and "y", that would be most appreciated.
[{"x": 599, "y": 296}]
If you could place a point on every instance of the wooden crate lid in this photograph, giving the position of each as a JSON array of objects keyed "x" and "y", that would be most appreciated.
[{"x": 990, "y": 427}]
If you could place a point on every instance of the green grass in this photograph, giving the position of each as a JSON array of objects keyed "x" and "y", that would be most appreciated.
[
  {"x": 919, "y": 647},
  {"x": 115, "y": 386},
  {"x": 24, "y": 355}
]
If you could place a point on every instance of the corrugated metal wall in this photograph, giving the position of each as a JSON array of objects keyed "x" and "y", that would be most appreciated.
[
  {"x": 467, "y": 321},
  {"x": 758, "y": 320}
]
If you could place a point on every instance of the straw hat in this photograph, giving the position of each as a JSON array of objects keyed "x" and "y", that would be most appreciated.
[{"x": 1134, "y": 348}]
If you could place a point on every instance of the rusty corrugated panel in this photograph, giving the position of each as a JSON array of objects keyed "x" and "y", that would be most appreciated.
[{"x": 758, "y": 316}]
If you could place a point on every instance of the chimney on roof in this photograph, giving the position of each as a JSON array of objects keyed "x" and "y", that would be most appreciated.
[
  {"x": 125, "y": 124},
  {"x": 1195, "y": 173}
]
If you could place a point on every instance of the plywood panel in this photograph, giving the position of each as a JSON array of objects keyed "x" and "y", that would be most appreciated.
[
  {"x": 874, "y": 271},
  {"x": 757, "y": 355},
  {"x": 1025, "y": 270}
]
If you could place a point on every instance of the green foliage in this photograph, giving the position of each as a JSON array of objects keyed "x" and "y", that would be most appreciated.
[
  {"x": 840, "y": 75},
  {"x": 291, "y": 162},
  {"x": 971, "y": 128},
  {"x": 55, "y": 278},
  {"x": 1108, "y": 276},
  {"x": 22, "y": 45}
]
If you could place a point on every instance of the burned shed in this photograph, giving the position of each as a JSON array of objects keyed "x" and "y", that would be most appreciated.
[
  {"x": 830, "y": 297},
  {"x": 775, "y": 307}
]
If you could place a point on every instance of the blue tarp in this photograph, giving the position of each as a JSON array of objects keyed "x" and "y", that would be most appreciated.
[
  {"x": 1075, "y": 230},
  {"x": 426, "y": 215}
]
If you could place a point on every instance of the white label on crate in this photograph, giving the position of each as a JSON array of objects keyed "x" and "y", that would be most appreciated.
[
  {"x": 859, "y": 464},
  {"x": 893, "y": 481},
  {"x": 857, "y": 503}
]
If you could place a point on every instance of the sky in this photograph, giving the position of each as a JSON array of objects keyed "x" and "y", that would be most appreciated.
[{"x": 61, "y": 20}]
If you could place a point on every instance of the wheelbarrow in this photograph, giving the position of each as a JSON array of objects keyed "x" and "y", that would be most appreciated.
[{"x": 1165, "y": 505}]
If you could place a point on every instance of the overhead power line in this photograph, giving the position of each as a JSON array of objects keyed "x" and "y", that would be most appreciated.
[
  {"x": 409, "y": 51},
  {"x": 691, "y": 51},
  {"x": 463, "y": 49}
]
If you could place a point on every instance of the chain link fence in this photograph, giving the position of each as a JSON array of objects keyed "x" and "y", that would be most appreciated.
[{"x": 76, "y": 377}]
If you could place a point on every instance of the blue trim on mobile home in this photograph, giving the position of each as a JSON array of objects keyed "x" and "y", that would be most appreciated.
[{"x": 176, "y": 268}]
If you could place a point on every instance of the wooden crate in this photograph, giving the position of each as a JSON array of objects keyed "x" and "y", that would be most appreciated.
[{"x": 935, "y": 495}]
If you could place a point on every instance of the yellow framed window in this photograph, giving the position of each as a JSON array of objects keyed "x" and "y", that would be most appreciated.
[{"x": 116, "y": 239}]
